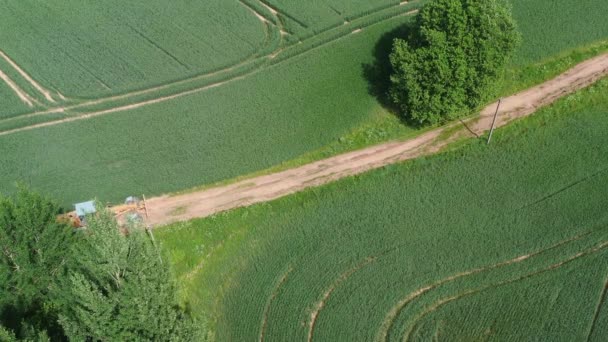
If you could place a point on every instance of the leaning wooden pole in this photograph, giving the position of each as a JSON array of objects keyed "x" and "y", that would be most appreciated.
[
  {"x": 494, "y": 121},
  {"x": 149, "y": 230}
]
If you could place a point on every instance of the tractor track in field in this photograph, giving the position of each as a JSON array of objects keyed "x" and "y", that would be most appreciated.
[
  {"x": 21, "y": 94},
  {"x": 265, "y": 188},
  {"x": 598, "y": 308},
  {"x": 43, "y": 91},
  {"x": 271, "y": 299},
  {"x": 438, "y": 304},
  {"x": 314, "y": 315},
  {"x": 390, "y": 317},
  {"x": 190, "y": 84}
]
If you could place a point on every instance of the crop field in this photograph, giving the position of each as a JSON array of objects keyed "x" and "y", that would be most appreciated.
[
  {"x": 90, "y": 49},
  {"x": 547, "y": 31},
  {"x": 308, "y": 18},
  {"x": 501, "y": 242},
  {"x": 165, "y": 126},
  {"x": 11, "y": 105},
  {"x": 205, "y": 144}
]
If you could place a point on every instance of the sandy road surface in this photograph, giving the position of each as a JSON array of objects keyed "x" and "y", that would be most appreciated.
[{"x": 167, "y": 209}]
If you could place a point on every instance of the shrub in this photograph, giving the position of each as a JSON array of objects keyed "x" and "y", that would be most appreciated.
[{"x": 447, "y": 65}]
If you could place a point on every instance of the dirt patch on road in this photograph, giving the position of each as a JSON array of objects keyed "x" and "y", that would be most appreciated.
[{"x": 269, "y": 187}]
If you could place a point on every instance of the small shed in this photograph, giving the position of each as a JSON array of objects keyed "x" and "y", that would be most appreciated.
[{"x": 85, "y": 208}]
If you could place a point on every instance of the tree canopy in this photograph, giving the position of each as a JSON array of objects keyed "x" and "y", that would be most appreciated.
[
  {"x": 99, "y": 283},
  {"x": 33, "y": 260},
  {"x": 447, "y": 65},
  {"x": 122, "y": 290}
]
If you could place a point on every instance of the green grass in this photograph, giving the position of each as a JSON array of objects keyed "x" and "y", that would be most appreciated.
[
  {"x": 373, "y": 239},
  {"x": 310, "y": 102}
]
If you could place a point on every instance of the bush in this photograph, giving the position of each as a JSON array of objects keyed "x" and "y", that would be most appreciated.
[{"x": 445, "y": 68}]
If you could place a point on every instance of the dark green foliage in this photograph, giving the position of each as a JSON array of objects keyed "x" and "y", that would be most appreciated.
[
  {"x": 121, "y": 290},
  {"x": 32, "y": 263},
  {"x": 447, "y": 65},
  {"x": 97, "y": 284},
  {"x": 6, "y": 335}
]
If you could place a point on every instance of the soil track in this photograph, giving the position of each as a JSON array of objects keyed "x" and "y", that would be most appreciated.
[
  {"x": 45, "y": 92},
  {"x": 23, "y": 96},
  {"x": 161, "y": 210}
]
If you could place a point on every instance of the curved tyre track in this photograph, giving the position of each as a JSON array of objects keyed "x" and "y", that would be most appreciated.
[
  {"x": 271, "y": 299},
  {"x": 269, "y": 187},
  {"x": 196, "y": 84},
  {"x": 470, "y": 292},
  {"x": 390, "y": 317},
  {"x": 598, "y": 308},
  {"x": 314, "y": 315}
]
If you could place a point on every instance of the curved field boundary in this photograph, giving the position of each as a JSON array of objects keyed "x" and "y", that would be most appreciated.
[
  {"x": 467, "y": 293},
  {"x": 269, "y": 187},
  {"x": 161, "y": 93},
  {"x": 390, "y": 317}
]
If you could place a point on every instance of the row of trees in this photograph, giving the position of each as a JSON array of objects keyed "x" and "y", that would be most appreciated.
[
  {"x": 446, "y": 66},
  {"x": 96, "y": 284}
]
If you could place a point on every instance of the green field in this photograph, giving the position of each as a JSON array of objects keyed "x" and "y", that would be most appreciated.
[
  {"x": 501, "y": 242},
  {"x": 305, "y": 19},
  {"x": 90, "y": 49},
  {"x": 547, "y": 31},
  {"x": 269, "y": 112},
  {"x": 11, "y": 105}
]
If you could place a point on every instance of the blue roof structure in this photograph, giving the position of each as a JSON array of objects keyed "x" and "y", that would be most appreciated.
[{"x": 85, "y": 208}]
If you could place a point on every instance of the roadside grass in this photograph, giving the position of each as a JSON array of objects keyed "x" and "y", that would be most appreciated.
[{"x": 540, "y": 183}]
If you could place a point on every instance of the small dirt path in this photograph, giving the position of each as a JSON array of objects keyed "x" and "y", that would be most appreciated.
[
  {"x": 45, "y": 92},
  {"x": 162, "y": 210},
  {"x": 23, "y": 96}
]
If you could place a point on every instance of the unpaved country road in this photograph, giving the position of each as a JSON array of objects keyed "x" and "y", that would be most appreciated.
[{"x": 168, "y": 209}]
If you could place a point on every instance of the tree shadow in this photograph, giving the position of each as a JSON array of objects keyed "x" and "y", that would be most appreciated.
[{"x": 378, "y": 73}]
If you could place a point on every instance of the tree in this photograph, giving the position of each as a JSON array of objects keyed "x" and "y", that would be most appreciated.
[
  {"x": 32, "y": 264},
  {"x": 447, "y": 65},
  {"x": 122, "y": 289}
]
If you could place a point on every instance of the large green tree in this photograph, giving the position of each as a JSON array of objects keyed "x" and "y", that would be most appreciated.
[
  {"x": 99, "y": 283},
  {"x": 122, "y": 290},
  {"x": 33, "y": 262},
  {"x": 447, "y": 65}
]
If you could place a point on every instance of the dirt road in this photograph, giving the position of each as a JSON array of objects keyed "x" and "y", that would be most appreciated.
[{"x": 167, "y": 209}]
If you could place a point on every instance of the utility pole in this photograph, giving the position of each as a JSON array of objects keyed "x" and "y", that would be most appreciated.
[
  {"x": 494, "y": 121},
  {"x": 149, "y": 230}
]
